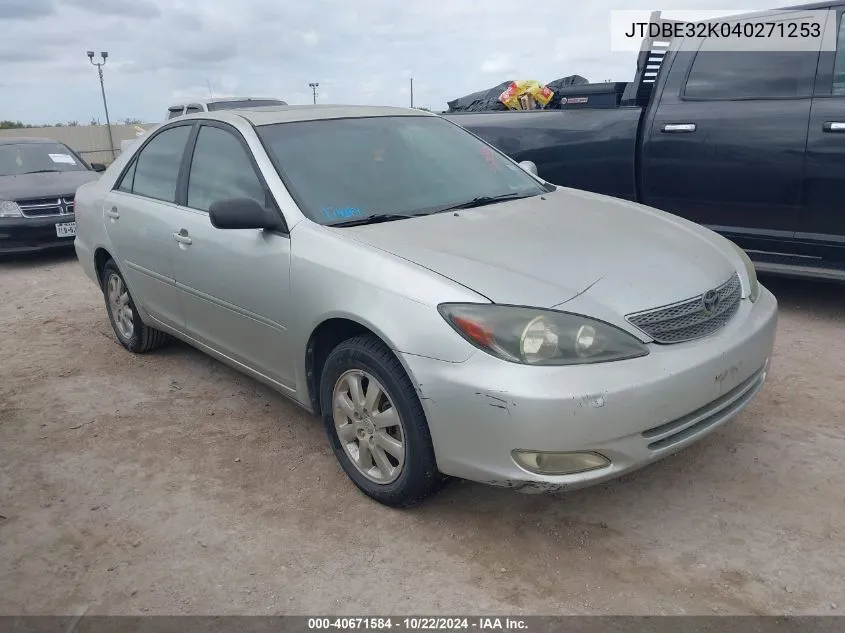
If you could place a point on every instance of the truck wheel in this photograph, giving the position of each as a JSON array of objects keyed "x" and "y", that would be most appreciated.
[
  {"x": 130, "y": 330},
  {"x": 376, "y": 424}
]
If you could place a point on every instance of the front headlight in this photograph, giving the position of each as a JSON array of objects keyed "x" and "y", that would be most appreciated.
[
  {"x": 754, "y": 292},
  {"x": 10, "y": 209},
  {"x": 534, "y": 336}
]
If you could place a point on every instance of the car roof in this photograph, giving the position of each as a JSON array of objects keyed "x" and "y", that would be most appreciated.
[
  {"x": 268, "y": 115},
  {"x": 17, "y": 140}
]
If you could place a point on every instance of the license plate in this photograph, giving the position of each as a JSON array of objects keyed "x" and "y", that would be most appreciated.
[{"x": 66, "y": 229}]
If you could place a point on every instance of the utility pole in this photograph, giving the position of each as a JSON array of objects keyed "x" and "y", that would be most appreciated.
[
  {"x": 99, "y": 65},
  {"x": 412, "y": 92},
  {"x": 314, "y": 85}
]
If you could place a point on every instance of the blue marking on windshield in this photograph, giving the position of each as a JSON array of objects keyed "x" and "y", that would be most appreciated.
[{"x": 344, "y": 213}]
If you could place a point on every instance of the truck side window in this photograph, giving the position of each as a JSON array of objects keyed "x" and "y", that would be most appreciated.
[
  {"x": 719, "y": 74},
  {"x": 839, "y": 64}
]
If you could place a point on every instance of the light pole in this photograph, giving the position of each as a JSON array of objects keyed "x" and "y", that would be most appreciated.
[
  {"x": 314, "y": 86},
  {"x": 99, "y": 65}
]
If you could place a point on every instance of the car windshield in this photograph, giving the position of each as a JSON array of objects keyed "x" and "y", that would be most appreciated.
[
  {"x": 17, "y": 159},
  {"x": 341, "y": 170},
  {"x": 244, "y": 103}
]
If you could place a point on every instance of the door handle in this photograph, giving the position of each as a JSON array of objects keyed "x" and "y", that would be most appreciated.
[
  {"x": 834, "y": 127},
  {"x": 678, "y": 128},
  {"x": 182, "y": 237},
  {"x": 113, "y": 214}
]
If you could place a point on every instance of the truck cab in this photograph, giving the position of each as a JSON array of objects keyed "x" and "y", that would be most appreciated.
[{"x": 749, "y": 142}]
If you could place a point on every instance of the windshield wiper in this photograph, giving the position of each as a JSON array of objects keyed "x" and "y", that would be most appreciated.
[
  {"x": 479, "y": 201},
  {"x": 376, "y": 219},
  {"x": 41, "y": 171},
  {"x": 482, "y": 201}
]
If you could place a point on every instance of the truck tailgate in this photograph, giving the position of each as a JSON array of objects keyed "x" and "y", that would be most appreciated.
[{"x": 593, "y": 150}]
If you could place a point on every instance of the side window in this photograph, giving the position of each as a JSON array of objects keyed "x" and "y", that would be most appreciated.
[
  {"x": 221, "y": 169},
  {"x": 128, "y": 179},
  {"x": 174, "y": 111},
  {"x": 720, "y": 74},
  {"x": 157, "y": 166},
  {"x": 839, "y": 64}
]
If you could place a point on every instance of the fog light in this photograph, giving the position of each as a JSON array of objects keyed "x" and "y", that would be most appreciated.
[{"x": 559, "y": 463}]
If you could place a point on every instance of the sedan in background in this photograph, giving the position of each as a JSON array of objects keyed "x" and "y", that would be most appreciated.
[
  {"x": 38, "y": 181},
  {"x": 444, "y": 310}
]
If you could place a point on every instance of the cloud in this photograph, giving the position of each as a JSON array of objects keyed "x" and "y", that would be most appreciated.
[
  {"x": 497, "y": 66},
  {"x": 360, "y": 52},
  {"x": 25, "y": 9},
  {"x": 128, "y": 8},
  {"x": 310, "y": 38},
  {"x": 24, "y": 55}
]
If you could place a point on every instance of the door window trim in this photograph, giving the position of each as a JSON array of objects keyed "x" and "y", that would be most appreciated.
[
  {"x": 188, "y": 158},
  {"x": 823, "y": 87},
  {"x": 116, "y": 184}
]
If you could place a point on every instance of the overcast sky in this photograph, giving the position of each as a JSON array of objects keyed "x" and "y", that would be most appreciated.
[{"x": 360, "y": 51}]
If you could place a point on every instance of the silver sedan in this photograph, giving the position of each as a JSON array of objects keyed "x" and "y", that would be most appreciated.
[{"x": 445, "y": 310}]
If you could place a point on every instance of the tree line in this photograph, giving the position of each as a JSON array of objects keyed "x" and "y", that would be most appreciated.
[{"x": 20, "y": 125}]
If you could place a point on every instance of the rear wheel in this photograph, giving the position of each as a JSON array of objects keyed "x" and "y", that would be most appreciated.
[
  {"x": 130, "y": 330},
  {"x": 376, "y": 424}
]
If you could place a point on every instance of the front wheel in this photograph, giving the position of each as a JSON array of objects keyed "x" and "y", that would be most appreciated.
[
  {"x": 376, "y": 424},
  {"x": 131, "y": 331}
]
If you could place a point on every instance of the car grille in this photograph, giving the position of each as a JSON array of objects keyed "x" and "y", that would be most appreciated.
[
  {"x": 41, "y": 207},
  {"x": 689, "y": 319}
]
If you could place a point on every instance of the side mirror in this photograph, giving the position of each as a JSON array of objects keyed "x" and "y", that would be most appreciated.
[
  {"x": 243, "y": 213},
  {"x": 530, "y": 167},
  {"x": 98, "y": 167}
]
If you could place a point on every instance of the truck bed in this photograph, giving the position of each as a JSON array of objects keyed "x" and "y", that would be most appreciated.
[{"x": 593, "y": 150}]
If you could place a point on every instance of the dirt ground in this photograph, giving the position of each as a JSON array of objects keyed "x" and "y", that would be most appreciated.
[{"x": 170, "y": 484}]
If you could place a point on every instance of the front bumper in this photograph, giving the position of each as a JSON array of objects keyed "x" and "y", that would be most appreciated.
[
  {"x": 632, "y": 412},
  {"x": 26, "y": 235}
]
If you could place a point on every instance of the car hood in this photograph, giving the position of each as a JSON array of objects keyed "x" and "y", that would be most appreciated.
[
  {"x": 44, "y": 185},
  {"x": 603, "y": 255}
]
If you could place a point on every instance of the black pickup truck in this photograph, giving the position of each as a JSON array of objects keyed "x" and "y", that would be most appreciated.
[{"x": 750, "y": 144}]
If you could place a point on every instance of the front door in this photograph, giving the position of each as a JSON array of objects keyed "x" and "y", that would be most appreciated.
[
  {"x": 725, "y": 147},
  {"x": 234, "y": 283},
  {"x": 140, "y": 213}
]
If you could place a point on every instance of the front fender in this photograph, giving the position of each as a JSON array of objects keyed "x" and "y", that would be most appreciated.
[{"x": 333, "y": 277}]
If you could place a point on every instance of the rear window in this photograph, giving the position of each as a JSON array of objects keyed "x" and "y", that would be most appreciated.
[{"x": 244, "y": 103}]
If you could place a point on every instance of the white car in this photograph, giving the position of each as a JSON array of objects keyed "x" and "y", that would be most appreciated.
[{"x": 441, "y": 307}]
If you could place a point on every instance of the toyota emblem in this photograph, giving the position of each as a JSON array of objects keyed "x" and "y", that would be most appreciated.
[{"x": 710, "y": 301}]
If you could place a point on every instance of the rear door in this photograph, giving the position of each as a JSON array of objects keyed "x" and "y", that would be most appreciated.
[
  {"x": 235, "y": 284},
  {"x": 140, "y": 213},
  {"x": 822, "y": 225},
  {"x": 725, "y": 145}
]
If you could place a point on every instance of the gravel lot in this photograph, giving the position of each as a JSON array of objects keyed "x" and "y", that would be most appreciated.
[{"x": 168, "y": 483}]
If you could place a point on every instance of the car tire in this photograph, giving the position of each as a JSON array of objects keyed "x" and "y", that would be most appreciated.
[
  {"x": 130, "y": 330},
  {"x": 368, "y": 361}
]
